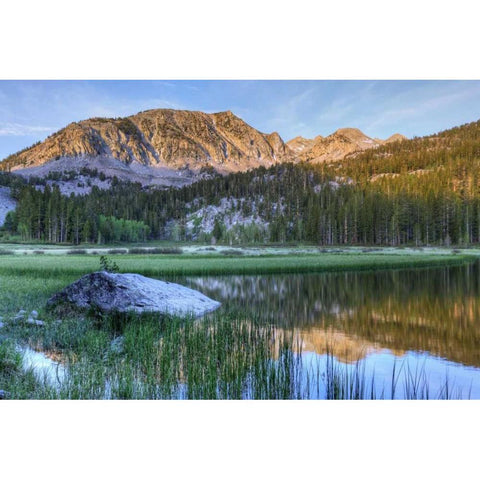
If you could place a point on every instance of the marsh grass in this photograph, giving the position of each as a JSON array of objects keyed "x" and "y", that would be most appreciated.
[
  {"x": 333, "y": 380},
  {"x": 223, "y": 356},
  {"x": 211, "y": 264}
]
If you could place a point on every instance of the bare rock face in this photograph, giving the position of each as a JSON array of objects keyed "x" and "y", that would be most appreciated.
[
  {"x": 174, "y": 147},
  {"x": 162, "y": 138},
  {"x": 300, "y": 144},
  {"x": 336, "y": 146},
  {"x": 125, "y": 292}
]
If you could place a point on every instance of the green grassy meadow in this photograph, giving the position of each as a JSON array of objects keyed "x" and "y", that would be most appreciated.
[{"x": 185, "y": 264}]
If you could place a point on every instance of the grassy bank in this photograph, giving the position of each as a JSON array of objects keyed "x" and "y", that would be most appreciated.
[{"x": 175, "y": 265}]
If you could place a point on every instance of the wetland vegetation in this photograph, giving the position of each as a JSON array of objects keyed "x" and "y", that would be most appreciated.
[{"x": 301, "y": 326}]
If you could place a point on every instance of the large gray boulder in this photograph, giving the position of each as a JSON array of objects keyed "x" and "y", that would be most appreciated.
[{"x": 124, "y": 292}]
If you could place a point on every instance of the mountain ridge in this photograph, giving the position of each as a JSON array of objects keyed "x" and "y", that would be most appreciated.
[
  {"x": 166, "y": 144},
  {"x": 160, "y": 137}
]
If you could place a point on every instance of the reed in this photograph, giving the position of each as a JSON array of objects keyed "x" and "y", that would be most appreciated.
[{"x": 223, "y": 356}]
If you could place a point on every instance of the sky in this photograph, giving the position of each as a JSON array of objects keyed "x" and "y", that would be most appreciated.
[{"x": 32, "y": 110}]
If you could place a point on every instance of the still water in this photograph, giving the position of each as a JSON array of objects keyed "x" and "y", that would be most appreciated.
[{"x": 424, "y": 323}]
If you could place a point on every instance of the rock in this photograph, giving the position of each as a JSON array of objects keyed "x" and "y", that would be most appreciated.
[
  {"x": 33, "y": 321},
  {"x": 2, "y": 324},
  {"x": 117, "y": 345},
  {"x": 4, "y": 394},
  {"x": 34, "y": 314},
  {"x": 124, "y": 292},
  {"x": 20, "y": 315}
]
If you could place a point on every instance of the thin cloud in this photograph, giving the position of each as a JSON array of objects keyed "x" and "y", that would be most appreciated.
[
  {"x": 19, "y": 130},
  {"x": 424, "y": 106}
]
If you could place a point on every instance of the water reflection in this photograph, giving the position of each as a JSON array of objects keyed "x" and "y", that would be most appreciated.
[{"x": 364, "y": 314}]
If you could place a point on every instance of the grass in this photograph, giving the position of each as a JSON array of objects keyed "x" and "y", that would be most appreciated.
[
  {"x": 175, "y": 265},
  {"x": 221, "y": 357}
]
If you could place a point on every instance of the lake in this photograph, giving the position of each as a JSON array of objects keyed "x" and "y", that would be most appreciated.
[{"x": 422, "y": 324}]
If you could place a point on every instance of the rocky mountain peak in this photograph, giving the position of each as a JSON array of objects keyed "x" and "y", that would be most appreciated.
[
  {"x": 161, "y": 143},
  {"x": 160, "y": 138},
  {"x": 299, "y": 144},
  {"x": 396, "y": 137}
]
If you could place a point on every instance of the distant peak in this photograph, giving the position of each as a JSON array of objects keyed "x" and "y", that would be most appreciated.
[
  {"x": 348, "y": 131},
  {"x": 300, "y": 139},
  {"x": 396, "y": 137}
]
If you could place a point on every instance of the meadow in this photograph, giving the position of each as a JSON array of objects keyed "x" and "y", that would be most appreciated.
[
  {"x": 225, "y": 355},
  {"x": 231, "y": 262}
]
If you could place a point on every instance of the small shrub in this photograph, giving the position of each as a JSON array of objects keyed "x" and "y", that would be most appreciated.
[
  {"x": 232, "y": 252},
  {"x": 137, "y": 251},
  {"x": 166, "y": 251},
  {"x": 156, "y": 251},
  {"x": 108, "y": 265}
]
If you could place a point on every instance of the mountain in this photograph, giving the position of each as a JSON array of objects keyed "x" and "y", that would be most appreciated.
[
  {"x": 396, "y": 137},
  {"x": 174, "y": 147},
  {"x": 300, "y": 144},
  {"x": 155, "y": 143},
  {"x": 422, "y": 191},
  {"x": 343, "y": 142}
]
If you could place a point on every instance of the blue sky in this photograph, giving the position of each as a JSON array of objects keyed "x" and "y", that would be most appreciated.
[{"x": 32, "y": 110}]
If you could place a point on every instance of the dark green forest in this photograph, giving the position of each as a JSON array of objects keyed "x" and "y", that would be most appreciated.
[{"x": 424, "y": 191}]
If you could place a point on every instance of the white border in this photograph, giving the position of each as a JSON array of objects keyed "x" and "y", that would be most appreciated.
[
  {"x": 252, "y": 39},
  {"x": 240, "y": 40}
]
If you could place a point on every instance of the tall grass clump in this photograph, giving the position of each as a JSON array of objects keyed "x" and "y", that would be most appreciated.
[
  {"x": 223, "y": 356},
  {"x": 353, "y": 382},
  {"x": 220, "y": 357},
  {"x": 15, "y": 382}
]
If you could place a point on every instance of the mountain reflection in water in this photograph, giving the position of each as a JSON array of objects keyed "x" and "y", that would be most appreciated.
[{"x": 353, "y": 314}]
